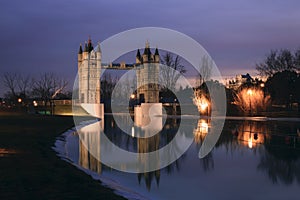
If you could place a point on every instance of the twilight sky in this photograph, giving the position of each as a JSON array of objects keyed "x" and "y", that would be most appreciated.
[{"x": 43, "y": 36}]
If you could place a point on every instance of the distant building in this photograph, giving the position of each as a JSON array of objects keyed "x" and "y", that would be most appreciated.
[{"x": 239, "y": 80}]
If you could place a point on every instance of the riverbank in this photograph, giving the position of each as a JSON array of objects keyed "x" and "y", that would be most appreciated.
[
  {"x": 244, "y": 145},
  {"x": 30, "y": 168}
]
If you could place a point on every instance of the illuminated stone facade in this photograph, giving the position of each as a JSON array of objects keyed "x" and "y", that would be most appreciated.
[{"x": 89, "y": 71}]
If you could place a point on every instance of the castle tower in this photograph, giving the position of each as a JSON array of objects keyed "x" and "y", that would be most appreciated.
[
  {"x": 147, "y": 75},
  {"x": 138, "y": 58},
  {"x": 89, "y": 70}
]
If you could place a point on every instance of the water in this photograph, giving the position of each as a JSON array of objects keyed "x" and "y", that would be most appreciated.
[{"x": 253, "y": 159}]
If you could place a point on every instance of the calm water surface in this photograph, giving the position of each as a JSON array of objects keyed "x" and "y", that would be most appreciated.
[{"x": 251, "y": 160}]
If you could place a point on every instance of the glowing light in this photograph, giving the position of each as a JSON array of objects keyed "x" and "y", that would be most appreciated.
[
  {"x": 252, "y": 100},
  {"x": 6, "y": 152},
  {"x": 262, "y": 85},
  {"x": 250, "y": 143},
  {"x": 132, "y": 96},
  {"x": 19, "y": 100},
  {"x": 250, "y": 92},
  {"x": 35, "y": 104},
  {"x": 201, "y": 131},
  {"x": 132, "y": 131},
  {"x": 203, "y": 127},
  {"x": 202, "y": 103},
  {"x": 203, "y": 106}
]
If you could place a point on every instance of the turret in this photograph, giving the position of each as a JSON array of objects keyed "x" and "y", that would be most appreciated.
[
  {"x": 80, "y": 53},
  {"x": 147, "y": 55},
  {"x": 90, "y": 45},
  {"x": 85, "y": 47},
  {"x": 85, "y": 51},
  {"x": 98, "y": 55},
  {"x": 138, "y": 57},
  {"x": 156, "y": 56}
]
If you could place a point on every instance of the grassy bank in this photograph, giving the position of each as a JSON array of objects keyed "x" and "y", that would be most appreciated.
[{"x": 29, "y": 168}]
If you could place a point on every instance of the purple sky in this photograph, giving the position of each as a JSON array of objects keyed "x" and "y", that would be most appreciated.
[{"x": 43, "y": 36}]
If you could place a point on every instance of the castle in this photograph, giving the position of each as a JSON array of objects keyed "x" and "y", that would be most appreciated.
[{"x": 89, "y": 72}]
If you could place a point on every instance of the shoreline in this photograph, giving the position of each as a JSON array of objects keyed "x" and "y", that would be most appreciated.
[
  {"x": 118, "y": 189},
  {"x": 30, "y": 168}
]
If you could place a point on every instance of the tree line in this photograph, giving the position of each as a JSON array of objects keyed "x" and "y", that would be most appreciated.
[
  {"x": 281, "y": 68},
  {"x": 46, "y": 87},
  {"x": 282, "y": 71},
  {"x": 278, "y": 61}
]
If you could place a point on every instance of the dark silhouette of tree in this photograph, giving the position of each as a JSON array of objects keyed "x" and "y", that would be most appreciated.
[
  {"x": 18, "y": 85},
  {"x": 297, "y": 59},
  {"x": 47, "y": 87},
  {"x": 282, "y": 87},
  {"x": 170, "y": 75},
  {"x": 10, "y": 82},
  {"x": 24, "y": 83},
  {"x": 108, "y": 84},
  {"x": 205, "y": 70},
  {"x": 281, "y": 164},
  {"x": 297, "y": 91},
  {"x": 278, "y": 61}
]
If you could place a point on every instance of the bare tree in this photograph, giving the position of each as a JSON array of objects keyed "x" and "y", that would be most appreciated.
[
  {"x": 278, "y": 61},
  {"x": 251, "y": 100},
  {"x": 18, "y": 85},
  {"x": 170, "y": 75},
  {"x": 201, "y": 94},
  {"x": 205, "y": 70},
  {"x": 47, "y": 87},
  {"x": 128, "y": 86},
  {"x": 297, "y": 60},
  {"x": 107, "y": 85},
  {"x": 24, "y": 83},
  {"x": 10, "y": 82}
]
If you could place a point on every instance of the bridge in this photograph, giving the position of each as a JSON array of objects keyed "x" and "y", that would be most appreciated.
[
  {"x": 118, "y": 66},
  {"x": 89, "y": 72}
]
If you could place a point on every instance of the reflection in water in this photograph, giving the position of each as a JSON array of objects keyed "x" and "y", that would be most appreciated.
[
  {"x": 7, "y": 152},
  {"x": 275, "y": 144},
  {"x": 87, "y": 141},
  {"x": 201, "y": 131},
  {"x": 280, "y": 158},
  {"x": 251, "y": 134},
  {"x": 148, "y": 144},
  {"x": 90, "y": 138},
  {"x": 284, "y": 170}
]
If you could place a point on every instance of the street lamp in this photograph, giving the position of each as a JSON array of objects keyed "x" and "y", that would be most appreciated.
[
  {"x": 35, "y": 104},
  {"x": 132, "y": 102},
  {"x": 250, "y": 92},
  {"x": 132, "y": 96}
]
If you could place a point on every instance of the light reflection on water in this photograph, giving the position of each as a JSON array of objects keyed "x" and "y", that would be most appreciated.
[
  {"x": 6, "y": 152},
  {"x": 250, "y": 155}
]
